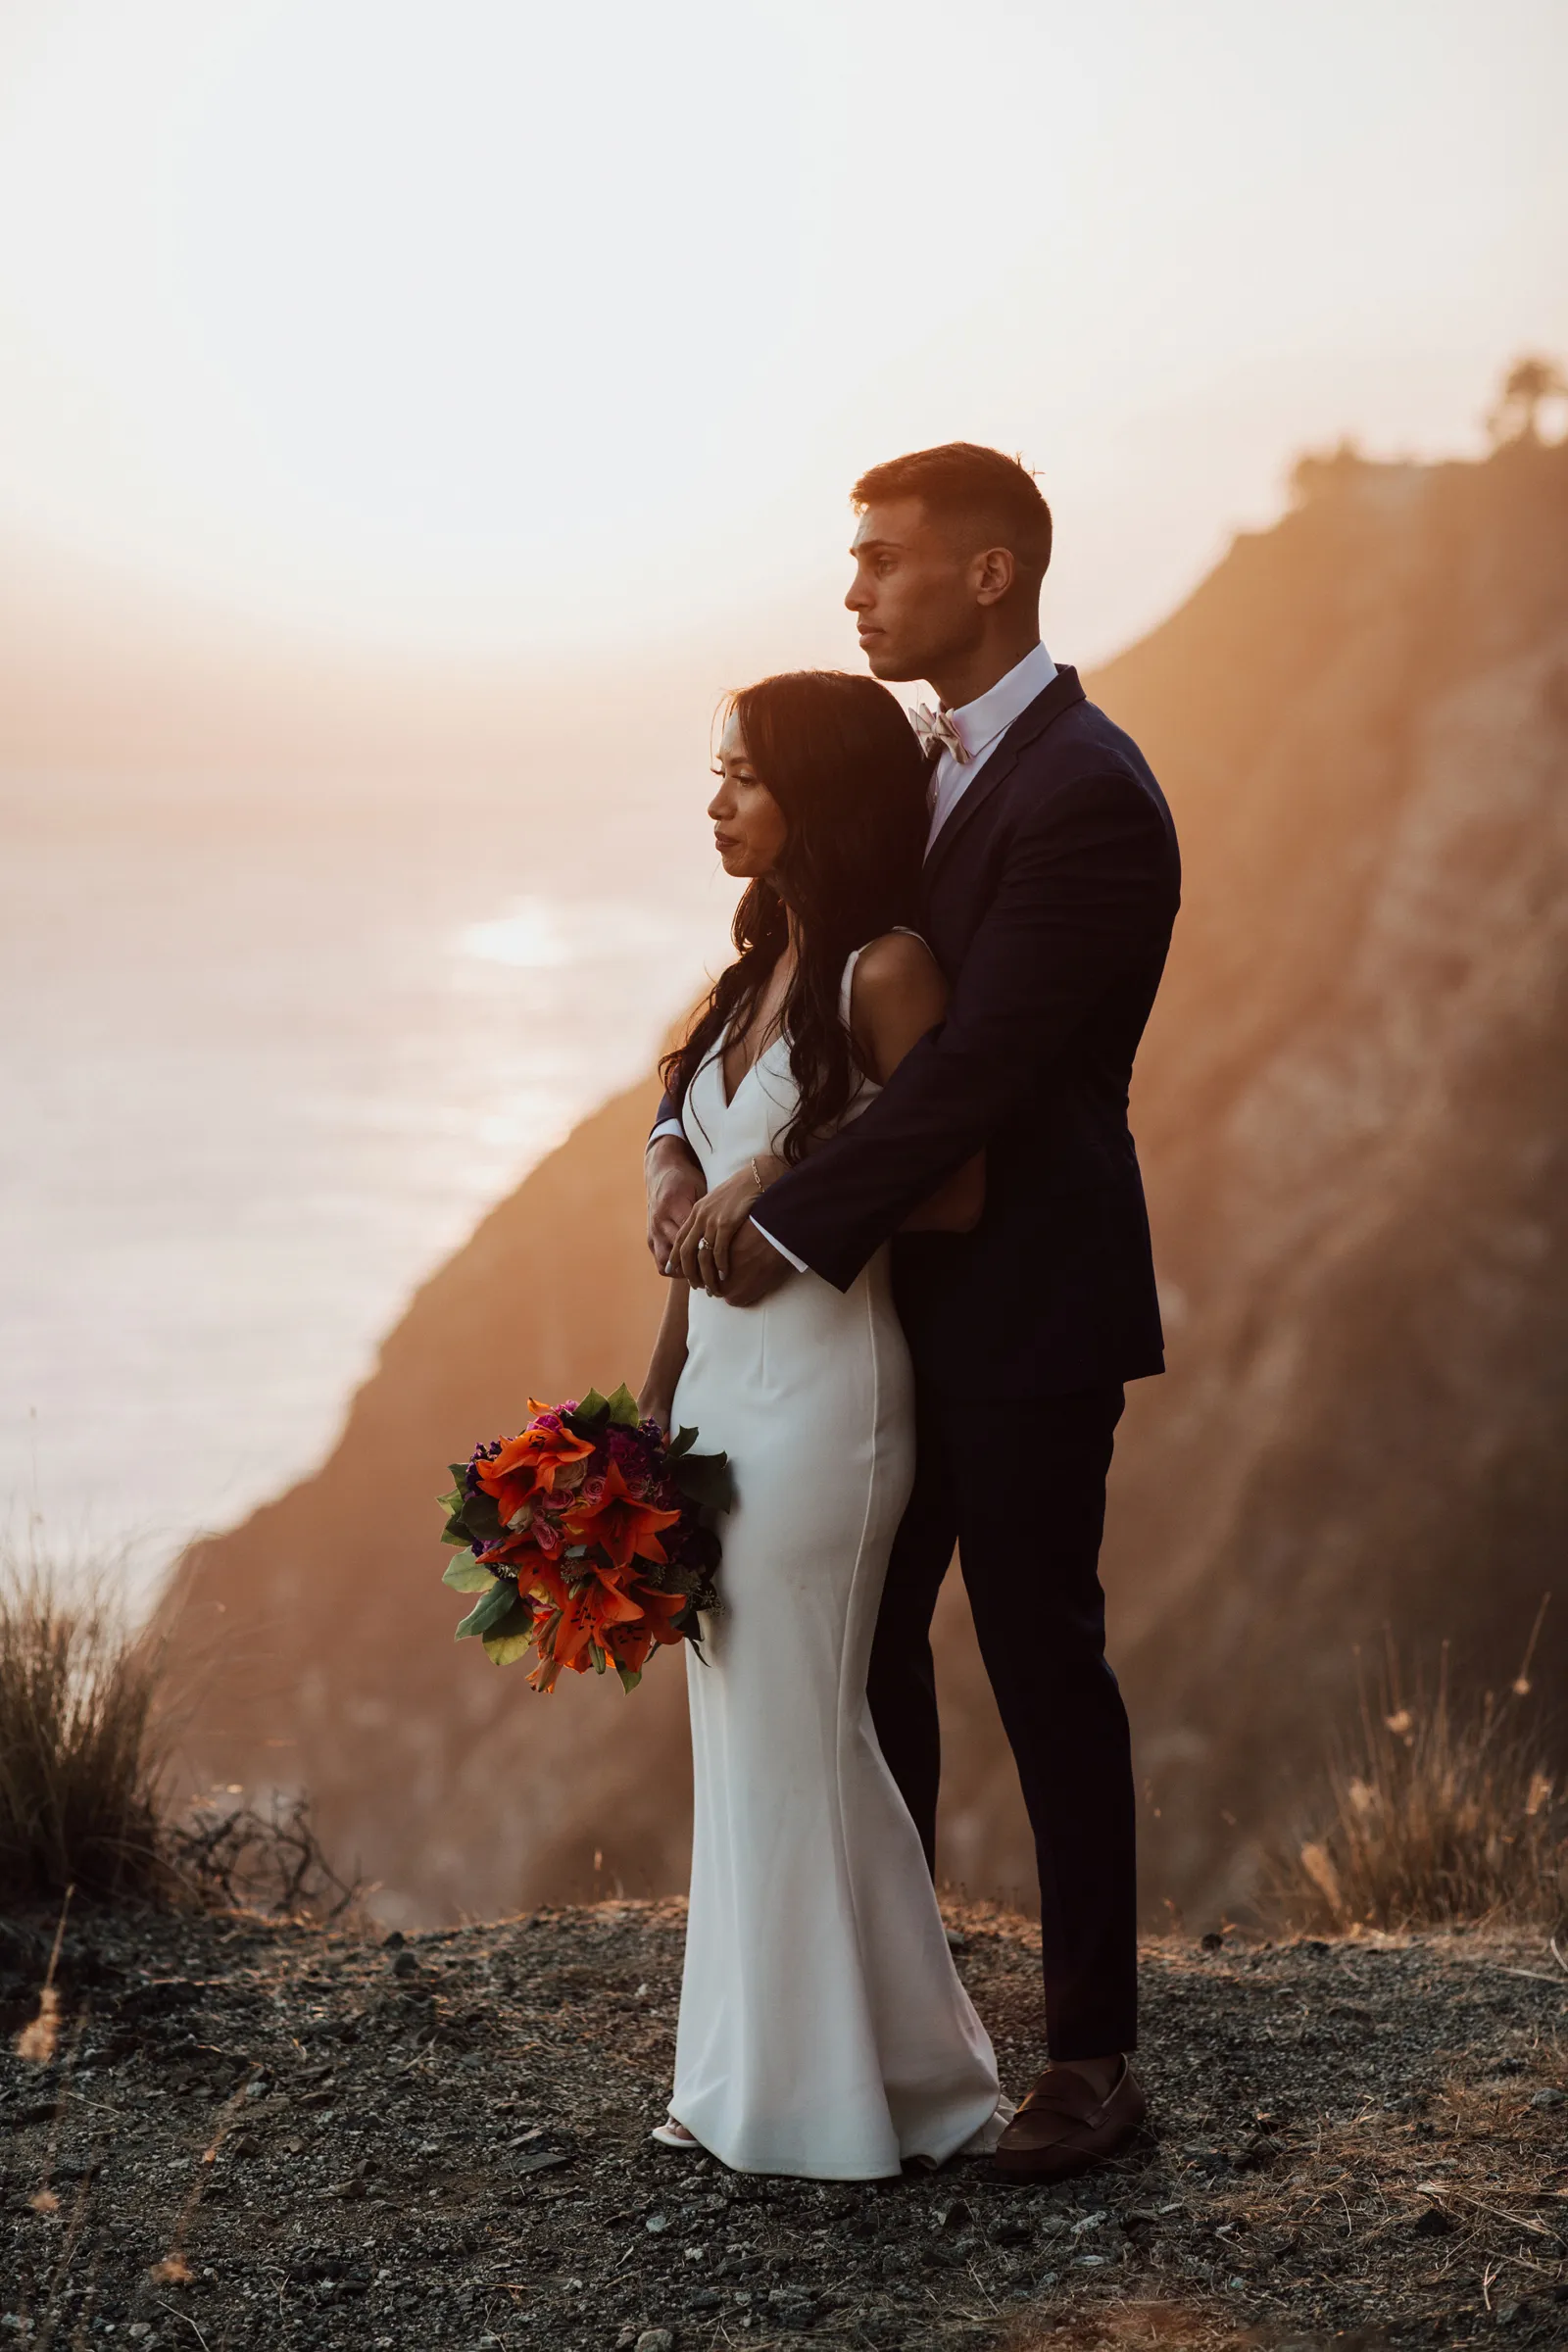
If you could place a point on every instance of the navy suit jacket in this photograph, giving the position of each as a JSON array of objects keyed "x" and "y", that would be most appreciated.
[{"x": 1048, "y": 897}]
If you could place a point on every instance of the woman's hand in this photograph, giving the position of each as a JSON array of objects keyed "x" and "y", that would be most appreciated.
[{"x": 703, "y": 1247}]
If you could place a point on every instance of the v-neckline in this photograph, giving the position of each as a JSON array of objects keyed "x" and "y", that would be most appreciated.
[{"x": 730, "y": 1100}]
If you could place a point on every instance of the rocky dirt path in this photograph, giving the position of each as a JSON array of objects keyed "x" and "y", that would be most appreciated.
[{"x": 259, "y": 2135}]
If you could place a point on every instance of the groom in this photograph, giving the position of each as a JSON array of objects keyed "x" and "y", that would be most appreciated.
[{"x": 1050, "y": 884}]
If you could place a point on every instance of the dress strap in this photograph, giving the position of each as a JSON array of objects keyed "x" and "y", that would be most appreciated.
[{"x": 846, "y": 986}]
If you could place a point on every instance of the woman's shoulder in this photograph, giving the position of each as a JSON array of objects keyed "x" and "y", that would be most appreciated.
[
  {"x": 893, "y": 963},
  {"x": 896, "y": 992}
]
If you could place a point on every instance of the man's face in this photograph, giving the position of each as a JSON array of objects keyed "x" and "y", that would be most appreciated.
[{"x": 917, "y": 597}]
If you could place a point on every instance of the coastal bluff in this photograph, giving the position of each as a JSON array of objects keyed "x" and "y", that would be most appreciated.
[{"x": 1353, "y": 1112}]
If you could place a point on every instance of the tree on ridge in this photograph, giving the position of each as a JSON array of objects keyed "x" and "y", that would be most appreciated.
[{"x": 1530, "y": 384}]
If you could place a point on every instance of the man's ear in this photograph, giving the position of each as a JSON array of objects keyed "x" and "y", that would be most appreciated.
[{"x": 994, "y": 572}]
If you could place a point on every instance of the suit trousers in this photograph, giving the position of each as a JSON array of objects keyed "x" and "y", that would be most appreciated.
[{"x": 1026, "y": 1510}]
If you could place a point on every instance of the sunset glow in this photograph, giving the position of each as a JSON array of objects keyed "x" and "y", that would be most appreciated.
[{"x": 479, "y": 324}]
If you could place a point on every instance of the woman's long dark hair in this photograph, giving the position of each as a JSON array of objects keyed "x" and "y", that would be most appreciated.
[{"x": 840, "y": 757}]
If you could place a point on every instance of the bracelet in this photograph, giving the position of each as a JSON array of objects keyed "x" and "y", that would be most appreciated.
[{"x": 756, "y": 1178}]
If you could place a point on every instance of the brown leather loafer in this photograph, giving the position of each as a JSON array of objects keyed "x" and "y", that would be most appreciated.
[{"x": 1064, "y": 2127}]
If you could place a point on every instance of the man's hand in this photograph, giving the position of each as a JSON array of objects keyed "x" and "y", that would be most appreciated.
[
  {"x": 674, "y": 1187},
  {"x": 756, "y": 1268}
]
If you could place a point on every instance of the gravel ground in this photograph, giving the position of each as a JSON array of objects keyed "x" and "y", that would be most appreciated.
[{"x": 258, "y": 2134}]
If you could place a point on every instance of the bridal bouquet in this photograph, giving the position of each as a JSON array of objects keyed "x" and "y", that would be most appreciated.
[{"x": 587, "y": 1537}]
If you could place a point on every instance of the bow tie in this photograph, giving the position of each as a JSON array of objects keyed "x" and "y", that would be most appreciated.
[{"x": 935, "y": 733}]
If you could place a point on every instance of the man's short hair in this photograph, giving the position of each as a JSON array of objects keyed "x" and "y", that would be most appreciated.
[{"x": 970, "y": 488}]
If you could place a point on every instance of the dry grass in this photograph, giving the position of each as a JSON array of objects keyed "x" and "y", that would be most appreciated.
[
  {"x": 1440, "y": 1810},
  {"x": 1461, "y": 2205},
  {"x": 80, "y": 1761},
  {"x": 237, "y": 1857},
  {"x": 85, "y": 1738}
]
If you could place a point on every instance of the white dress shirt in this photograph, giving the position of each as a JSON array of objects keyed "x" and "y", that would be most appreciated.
[{"x": 980, "y": 725}]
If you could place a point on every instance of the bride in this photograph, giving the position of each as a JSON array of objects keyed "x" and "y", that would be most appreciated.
[{"x": 823, "y": 2029}]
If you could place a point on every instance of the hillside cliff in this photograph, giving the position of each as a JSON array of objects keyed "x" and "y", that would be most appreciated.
[
  {"x": 1353, "y": 1106},
  {"x": 1353, "y": 1110}
]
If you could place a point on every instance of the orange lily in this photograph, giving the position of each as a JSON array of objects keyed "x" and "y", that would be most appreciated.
[
  {"x": 586, "y": 1618},
  {"x": 629, "y": 1646},
  {"x": 592, "y": 1609},
  {"x": 529, "y": 1464},
  {"x": 623, "y": 1527}
]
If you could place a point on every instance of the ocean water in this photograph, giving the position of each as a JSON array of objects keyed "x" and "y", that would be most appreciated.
[{"x": 263, "y": 1062}]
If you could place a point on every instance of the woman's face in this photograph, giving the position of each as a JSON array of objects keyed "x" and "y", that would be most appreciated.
[{"x": 749, "y": 828}]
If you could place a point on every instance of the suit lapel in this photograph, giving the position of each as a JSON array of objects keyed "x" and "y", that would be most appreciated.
[{"x": 1064, "y": 691}]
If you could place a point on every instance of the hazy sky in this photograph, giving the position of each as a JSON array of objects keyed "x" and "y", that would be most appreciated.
[{"x": 488, "y": 324}]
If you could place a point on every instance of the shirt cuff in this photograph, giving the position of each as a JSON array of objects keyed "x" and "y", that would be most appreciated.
[
  {"x": 667, "y": 1127},
  {"x": 798, "y": 1263}
]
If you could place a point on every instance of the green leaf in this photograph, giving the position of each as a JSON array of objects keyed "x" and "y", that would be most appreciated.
[
  {"x": 681, "y": 1442},
  {"x": 702, "y": 1552},
  {"x": 488, "y": 1612},
  {"x": 598, "y": 1657},
  {"x": 476, "y": 1520},
  {"x": 630, "y": 1676},
  {"x": 467, "y": 1574},
  {"x": 482, "y": 1513},
  {"x": 453, "y": 1504},
  {"x": 505, "y": 1649},
  {"x": 623, "y": 1408},
  {"x": 589, "y": 1407},
  {"x": 512, "y": 1637},
  {"x": 707, "y": 1479}
]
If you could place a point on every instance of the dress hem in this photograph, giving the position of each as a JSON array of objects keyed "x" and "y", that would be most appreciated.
[{"x": 993, "y": 2123}]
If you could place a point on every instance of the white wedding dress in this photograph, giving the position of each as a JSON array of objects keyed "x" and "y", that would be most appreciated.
[{"x": 823, "y": 2029}]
